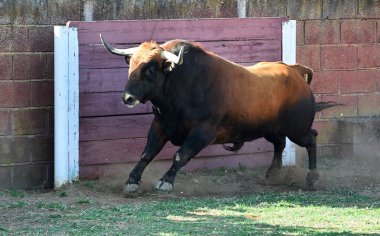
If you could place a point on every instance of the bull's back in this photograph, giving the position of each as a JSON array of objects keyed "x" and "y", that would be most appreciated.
[{"x": 271, "y": 98}]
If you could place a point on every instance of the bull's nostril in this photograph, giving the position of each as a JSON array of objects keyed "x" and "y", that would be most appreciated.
[{"x": 129, "y": 100}]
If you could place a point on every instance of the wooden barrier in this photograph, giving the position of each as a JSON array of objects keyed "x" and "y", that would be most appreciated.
[{"x": 111, "y": 133}]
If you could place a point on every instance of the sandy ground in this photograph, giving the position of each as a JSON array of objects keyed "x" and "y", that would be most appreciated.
[{"x": 359, "y": 174}]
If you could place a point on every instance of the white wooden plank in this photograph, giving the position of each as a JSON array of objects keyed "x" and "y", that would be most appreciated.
[
  {"x": 73, "y": 108},
  {"x": 60, "y": 105},
  {"x": 289, "y": 57}
]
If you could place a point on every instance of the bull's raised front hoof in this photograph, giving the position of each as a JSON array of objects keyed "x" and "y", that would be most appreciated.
[
  {"x": 311, "y": 179},
  {"x": 130, "y": 189},
  {"x": 164, "y": 186}
]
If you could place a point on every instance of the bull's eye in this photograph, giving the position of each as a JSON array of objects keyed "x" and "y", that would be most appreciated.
[{"x": 151, "y": 71}]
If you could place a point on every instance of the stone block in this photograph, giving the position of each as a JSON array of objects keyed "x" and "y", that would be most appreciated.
[
  {"x": 42, "y": 148},
  {"x": 263, "y": 8},
  {"x": 30, "y": 121},
  {"x": 368, "y": 105},
  {"x": 5, "y": 67},
  {"x": 347, "y": 107},
  {"x": 14, "y": 94},
  {"x": 42, "y": 93},
  {"x": 5, "y": 123},
  {"x": 322, "y": 32},
  {"x": 368, "y": 56},
  {"x": 309, "y": 55},
  {"x": 6, "y": 177},
  {"x": 358, "y": 31},
  {"x": 29, "y": 67},
  {"x": 325, "y": 82},
  {"x": 358, "y": 81},
  {"x": 338, "y": 57},
  {"x": 304, "y": 9},
  {"x": 14, "y": 150},
  {"x": 30, "y": 176},
  {"x": 339, "y": 9}
]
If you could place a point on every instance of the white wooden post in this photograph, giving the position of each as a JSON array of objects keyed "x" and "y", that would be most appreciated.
[
  {"x": 73, "y": 105},
  {"x": 66, "y": 105},
  {"x": 289, "y": 57}
]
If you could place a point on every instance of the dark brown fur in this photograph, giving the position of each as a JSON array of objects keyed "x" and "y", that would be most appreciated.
[{"x": 210, "y": 100}]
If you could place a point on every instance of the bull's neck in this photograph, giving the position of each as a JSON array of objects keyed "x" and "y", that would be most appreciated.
[{"x": 162, "y": 101}]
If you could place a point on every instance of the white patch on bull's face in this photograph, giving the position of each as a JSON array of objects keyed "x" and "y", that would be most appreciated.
[
  {"x": 164, "y": 186},
  {"x": 130, "y": 100},
  {"x": 130, "y": 188},
  {"x": 177, "y": 157}
]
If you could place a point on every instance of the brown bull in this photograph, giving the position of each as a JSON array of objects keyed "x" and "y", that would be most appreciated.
[{"x": 200, "y": 99}]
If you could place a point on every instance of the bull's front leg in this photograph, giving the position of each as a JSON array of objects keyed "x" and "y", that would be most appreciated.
[
  {"x": 198, "y": 138},
  {"x": 156, "y": 141}
]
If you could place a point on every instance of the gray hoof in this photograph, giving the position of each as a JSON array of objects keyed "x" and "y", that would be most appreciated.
[
  {"x": 311, "y": 179},
  {"x": 273, "y": 170},
  {"x": 130, "y": 188},
  {"x": 164, "y": 186}
]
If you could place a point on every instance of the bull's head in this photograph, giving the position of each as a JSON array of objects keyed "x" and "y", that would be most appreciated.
[{"x": 148, "y": 65}]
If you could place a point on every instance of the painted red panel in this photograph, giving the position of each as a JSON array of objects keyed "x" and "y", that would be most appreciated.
[
  {"x": 190, "y": 29},
  {"x": 110, "y": 132},
  {"x": 102, "y": 80},
  {"x": 114, "y": 127},
  {"x": 107, "y": 104},
  {"x": 160, "y": 167},
  {"x": 129, "y": 150},
  {"x": 242, "y": 51}
]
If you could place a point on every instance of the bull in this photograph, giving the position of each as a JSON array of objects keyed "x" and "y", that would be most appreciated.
[{"x": 200, "y": 98}]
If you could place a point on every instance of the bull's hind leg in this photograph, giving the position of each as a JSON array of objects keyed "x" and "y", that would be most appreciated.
[
  {"x": 310, "y": 143},
  {"x": 198, "y": 138},
  {"x": 278, "y": 141}
]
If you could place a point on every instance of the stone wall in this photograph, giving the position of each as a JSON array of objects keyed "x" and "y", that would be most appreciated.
[{"x": 339, "y": 39}]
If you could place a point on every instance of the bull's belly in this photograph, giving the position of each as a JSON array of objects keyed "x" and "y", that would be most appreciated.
[{"x": 239, "y": 134}]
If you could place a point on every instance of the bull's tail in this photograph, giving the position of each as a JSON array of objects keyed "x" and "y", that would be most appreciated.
[
  {"x": 305, "y": 72},
  {"x": 320, "y": 106}
]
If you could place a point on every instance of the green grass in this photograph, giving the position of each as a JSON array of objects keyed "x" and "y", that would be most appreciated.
[
  {"x": 294, "y": 213},
  {"x": 17, "y": 193},
  {"x": 51, "y": 205}
]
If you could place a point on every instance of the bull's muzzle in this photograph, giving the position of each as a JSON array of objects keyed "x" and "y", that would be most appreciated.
[{"x": 130, "y": 100}]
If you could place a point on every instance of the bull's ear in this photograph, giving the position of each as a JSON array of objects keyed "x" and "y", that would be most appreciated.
[
  {"x": 127, "y": 59},
  {"x": 167, "y": 66}
]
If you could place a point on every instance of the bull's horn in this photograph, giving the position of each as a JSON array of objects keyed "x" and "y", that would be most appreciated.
[
  {"x": 172, "y": 57},
  {"x": 120, "y": 52}
]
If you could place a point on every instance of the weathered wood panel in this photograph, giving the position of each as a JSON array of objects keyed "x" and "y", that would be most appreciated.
[
  {"x": 111, "y": 133},
  {"x": 102, "y": 80},
  {"x": 108, "y": 104},
  {"x": 251, "y": 160},
  {"x": 123, "y": 150},
  {"x": 114, "y": 127},
  {"x": 190, "y": 29},
  {"x": 242, "y": 51}
]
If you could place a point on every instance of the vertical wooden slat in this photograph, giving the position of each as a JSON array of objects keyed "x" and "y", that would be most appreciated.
[
  {"x": 289, "y": 57},
  {"x": 104, "y": 119},
  {"x": 73, "y": 106},
  {"x": 61, "y": 42}
]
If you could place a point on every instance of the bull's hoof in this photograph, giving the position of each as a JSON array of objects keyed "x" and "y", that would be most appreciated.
[
  {"x": 273, "y": 171},
  {"x": 164, "y": 186},
  {"x": 311, "y": 179},
  {"x": 130, "y": 188}
]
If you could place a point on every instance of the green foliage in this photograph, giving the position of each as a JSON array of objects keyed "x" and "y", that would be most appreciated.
[
  {"x": 84, "y": 201},
  {"x": 51, "y": 205},
  {"x": 342, "y": 212},
  {"x": 17, "y": 193}
]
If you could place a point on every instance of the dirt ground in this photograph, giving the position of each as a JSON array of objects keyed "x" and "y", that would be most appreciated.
[{"x": 358, "y": 174}]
